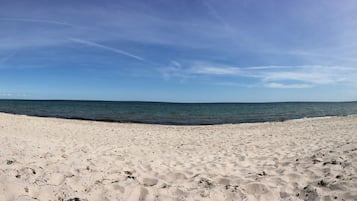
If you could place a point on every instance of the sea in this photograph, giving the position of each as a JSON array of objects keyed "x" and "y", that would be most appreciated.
[{"x": 177, "y": 113}]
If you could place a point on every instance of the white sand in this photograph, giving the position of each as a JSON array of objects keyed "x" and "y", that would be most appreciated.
[{"x": 56, "y": 159}]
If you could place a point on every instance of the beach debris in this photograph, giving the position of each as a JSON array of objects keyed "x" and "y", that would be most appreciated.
[
  {"x": 206, "y": 183},
  {"x": 335, "y": 162},
  {"x": 262, "y": 174},
  {"x": 232, "y": 188},
  {"x": 130, "y": 177},
  {"x": 75, "y": 199},
  {"x": 332, "y": 162},
  {"x": 315, "y": 159},
  {"x": 308, "y": 193},
  {"x": 129, "y": 174},
  {"x": 9, "y": 162},
  {"x": 322, "y": 183},
  {"x": 164, "y": 185}
]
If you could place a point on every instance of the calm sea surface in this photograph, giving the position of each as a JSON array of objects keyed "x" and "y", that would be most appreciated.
[{"x": 177, "y": 113}]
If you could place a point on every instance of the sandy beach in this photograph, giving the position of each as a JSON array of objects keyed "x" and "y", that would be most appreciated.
[{"x": 72, "y": 160}]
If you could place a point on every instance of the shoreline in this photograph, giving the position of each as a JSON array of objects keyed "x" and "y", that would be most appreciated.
[{"x": 172, "y": 124}]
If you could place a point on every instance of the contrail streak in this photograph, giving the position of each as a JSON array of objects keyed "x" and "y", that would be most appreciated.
[
  {"x": 36, "y": 21},
  {"x": 115, "y": 50}
]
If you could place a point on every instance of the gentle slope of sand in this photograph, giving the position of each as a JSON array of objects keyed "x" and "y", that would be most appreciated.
[{"x": 56, "y": 159}]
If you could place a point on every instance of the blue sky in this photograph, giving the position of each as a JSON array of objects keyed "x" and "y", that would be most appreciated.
[{"x": 185, "y": 51}]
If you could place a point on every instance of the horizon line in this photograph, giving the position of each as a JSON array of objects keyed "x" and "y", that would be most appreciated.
[{"x": 179, "y": 102}]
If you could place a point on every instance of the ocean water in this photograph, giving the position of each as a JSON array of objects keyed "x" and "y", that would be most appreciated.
[{"x": 177, "y": 113}]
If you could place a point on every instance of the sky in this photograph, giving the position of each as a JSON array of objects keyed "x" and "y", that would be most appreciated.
[{"x": 179, "y": 50}]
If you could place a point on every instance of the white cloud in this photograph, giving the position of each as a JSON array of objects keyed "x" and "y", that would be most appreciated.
[
  {"x": 174, "y": 69},
  {"x": 313, "y": 74},
  {"x": 212, "y": 70},
  {"x": 12, "y": 95},
  {"x": 305, "y": 76},
  {"x": 235, "y": 84},
  {"x": 115, "y": 50},
  {"x": 6, "y": 94},
  {"x": 286, "y": 86}
]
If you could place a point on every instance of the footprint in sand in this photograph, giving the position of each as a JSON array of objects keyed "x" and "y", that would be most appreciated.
[
  {"x": 56, "y": 179},
  {"x": 260, "y": 192}
]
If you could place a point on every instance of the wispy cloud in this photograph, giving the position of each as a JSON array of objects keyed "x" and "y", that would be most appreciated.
[
  {"x": 235, "y": 84},
  {"x": 213, "y": 70},
  {"x": 215, "y": 14},
  {"x": 3, "y": 94},
  {"x": 13, "y": 95},
  {"x": 313, "y": 74},
  {"x": 305, "y": 76},
  {"x": 287, "y": 86},
  {"x": 35, "y": 21},
  {"x": 6, "y": 58},
  {"x": 104, "y": 47}
]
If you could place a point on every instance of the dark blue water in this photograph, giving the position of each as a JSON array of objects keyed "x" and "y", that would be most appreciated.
[{"x": 177, "y": 113}]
